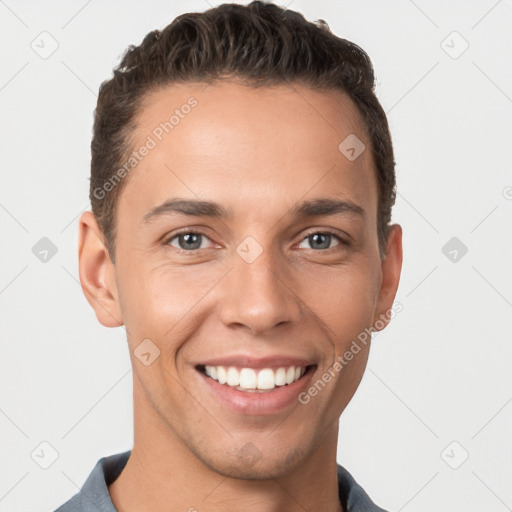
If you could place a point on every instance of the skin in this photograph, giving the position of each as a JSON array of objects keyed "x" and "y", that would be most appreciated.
[{"x": 257, "y": 152}]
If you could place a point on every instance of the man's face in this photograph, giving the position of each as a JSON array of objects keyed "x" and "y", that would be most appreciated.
[{"x": 263, "y": 289}]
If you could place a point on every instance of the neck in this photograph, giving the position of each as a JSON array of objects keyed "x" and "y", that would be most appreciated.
[{"x": 163, "y": 474}]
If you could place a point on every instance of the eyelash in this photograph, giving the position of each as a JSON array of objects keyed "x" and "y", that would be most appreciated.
[{"x": 341, "y": 241}]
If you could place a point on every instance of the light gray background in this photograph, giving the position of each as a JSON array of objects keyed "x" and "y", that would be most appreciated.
[{"x": 439, "y": 373}]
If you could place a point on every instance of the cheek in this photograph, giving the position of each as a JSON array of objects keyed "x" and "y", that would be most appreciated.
[
  {"x": 346, "y": 300},
  {"x": 351, "y": 319},
  {"x": 153, "y": 303},
  {"x": 154, "y": 298},
  {"x": 164, "y": 305}
]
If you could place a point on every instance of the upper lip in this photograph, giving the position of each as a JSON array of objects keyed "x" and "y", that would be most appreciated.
[{"x": 243, "y": 361}]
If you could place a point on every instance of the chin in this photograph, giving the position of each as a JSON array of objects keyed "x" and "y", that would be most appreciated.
[{"x": 249, "y": 463}]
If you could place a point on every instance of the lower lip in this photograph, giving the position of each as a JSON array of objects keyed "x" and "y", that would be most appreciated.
[{"x": 254, "y": 403}]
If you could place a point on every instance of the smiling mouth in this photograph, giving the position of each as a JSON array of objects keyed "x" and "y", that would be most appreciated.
[{"x": 255, "y": 380}]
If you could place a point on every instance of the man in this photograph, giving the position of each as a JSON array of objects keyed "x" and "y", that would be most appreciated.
[{"x": 242, "y": 182}]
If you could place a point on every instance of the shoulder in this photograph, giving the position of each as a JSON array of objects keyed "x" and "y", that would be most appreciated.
[
  {"x": 94, "y": 495},
  {"x": 353, "y": 497},
  {"x": 73, "y": 505}
]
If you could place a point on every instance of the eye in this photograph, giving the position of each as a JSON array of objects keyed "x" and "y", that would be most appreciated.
[
  {"x": 188, "y": 240},
  {"x": 322, "y": 240}
]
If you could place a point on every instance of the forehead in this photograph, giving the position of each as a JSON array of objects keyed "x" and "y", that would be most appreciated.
[{"x": 238, "y": 144}]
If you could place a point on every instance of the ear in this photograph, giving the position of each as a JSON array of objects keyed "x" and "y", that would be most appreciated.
[
  {"x": 391, "y": 267},
  {"x": 97, "y": 272}
]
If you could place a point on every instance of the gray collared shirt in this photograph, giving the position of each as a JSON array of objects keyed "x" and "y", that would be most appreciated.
[{"x": 94, "y": 496}]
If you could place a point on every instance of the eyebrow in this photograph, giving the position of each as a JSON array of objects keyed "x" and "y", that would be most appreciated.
[{"x": 199, "y": 208}]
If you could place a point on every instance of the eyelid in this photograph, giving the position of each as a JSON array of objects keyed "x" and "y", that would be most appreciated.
[
  {"x": 326, "y": 231},
  {"x": 185, "y": 231},
  {"x": 313, "y": 231}
]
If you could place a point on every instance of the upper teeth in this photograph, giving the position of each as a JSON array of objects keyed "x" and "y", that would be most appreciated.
[{"x": 248, "y": 378}]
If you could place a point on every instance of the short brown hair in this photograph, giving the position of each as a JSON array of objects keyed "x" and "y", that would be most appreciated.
[{"x": 260, "y": 43}]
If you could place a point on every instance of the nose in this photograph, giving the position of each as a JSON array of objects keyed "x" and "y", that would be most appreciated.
[{"x": 259, "y": 295}]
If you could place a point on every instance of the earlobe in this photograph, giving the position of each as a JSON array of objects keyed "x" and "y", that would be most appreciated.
[
  {"x": 391, "y": 268},
  {"x": 97, "y": 272}
]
